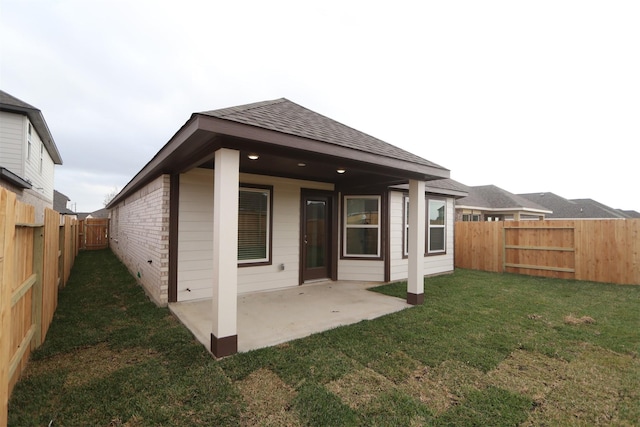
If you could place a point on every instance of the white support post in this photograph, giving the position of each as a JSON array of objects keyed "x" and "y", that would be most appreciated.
[
  {"x": 224, "y": 333},
  {"x": 417, "y": 220}
]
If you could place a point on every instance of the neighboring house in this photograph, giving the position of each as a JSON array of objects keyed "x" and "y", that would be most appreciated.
[
  {"x": 629, "y": 213},
  {"x": 61, "y": 203},
  {"x": 576, "y": 208},
  {"x": 272, "y": 195},
  {"x": 100, "y": 213},
  {"x": 491, "y": 203},
  {"x": 28, "y": 153}
]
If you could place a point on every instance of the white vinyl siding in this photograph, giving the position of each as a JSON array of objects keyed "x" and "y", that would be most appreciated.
[
  {"x": 364, "y": 270},
  {"x": 41, "y": 177},
  {"x": 195, "y": 231},
  {"x": 12, "y": 139},
  {"x": 195, "y": 235},
  {"x": 433, "y": 264}
]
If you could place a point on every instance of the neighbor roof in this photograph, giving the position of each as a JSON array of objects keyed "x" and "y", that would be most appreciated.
[
  {"x": 282, "y": 130},
  {"x": 630, "y": 213},
  {"x": 284, "y": 116},
  {"x": 446, "y": 186},
  {"x": 60, "y": 203},
  {"x": 490, "y": 197},
  {"x": 575, "y": 208},
  {"x": 14, "y": 105}
]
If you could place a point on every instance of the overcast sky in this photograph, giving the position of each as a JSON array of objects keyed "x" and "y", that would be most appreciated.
[{"x": 535, "y": 96}]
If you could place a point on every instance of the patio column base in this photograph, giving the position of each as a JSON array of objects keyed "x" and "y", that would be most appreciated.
[
  {"x": 226, "y": 346},
  {"x": 415, "y": 299}
]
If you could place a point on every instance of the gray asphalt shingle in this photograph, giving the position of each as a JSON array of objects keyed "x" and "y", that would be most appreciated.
[{"x": 282, "y": 115}]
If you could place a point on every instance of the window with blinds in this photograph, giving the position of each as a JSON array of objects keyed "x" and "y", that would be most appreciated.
[{"x": 254, "y": 223}]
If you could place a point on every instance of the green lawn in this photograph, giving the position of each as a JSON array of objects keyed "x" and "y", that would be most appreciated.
[{"x": 484, "y": 349}]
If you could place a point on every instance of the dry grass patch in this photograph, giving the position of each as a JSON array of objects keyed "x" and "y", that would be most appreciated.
[
  {"x": 528, "y": 373},
  {"x": 573, "y": 320},
  {"x": 358, "y": 388},
  {"x": 396, "y": 366},
  {"x": 87, "y": 364},
  {"x": 268, "y": 400},
  {"x": 594, "y": 389},
  {"x": 444, "y": 386}
]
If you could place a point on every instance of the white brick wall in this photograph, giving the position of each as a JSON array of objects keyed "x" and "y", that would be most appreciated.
[{"x": 140, "y": 233}]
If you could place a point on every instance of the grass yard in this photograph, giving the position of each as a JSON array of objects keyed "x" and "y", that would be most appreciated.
[{"x": 484, "y": 349}]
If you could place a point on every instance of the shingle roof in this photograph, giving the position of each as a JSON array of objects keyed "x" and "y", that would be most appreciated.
[
  {"x": 445, "y": 186},
  {"x": 285, "y": 116},
  {"x": 60, "y": 202},
  {"x": 492, "y": 197},
  {"x": 574, "y": 208},
  {"x": 630, "y": 213},
  {"x": 13, "y": 104}
]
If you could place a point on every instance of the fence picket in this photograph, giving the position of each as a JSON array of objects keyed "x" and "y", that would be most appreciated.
[{"x": 28, "y": 283}]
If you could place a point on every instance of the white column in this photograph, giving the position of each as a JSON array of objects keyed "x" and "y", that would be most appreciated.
[
  {"x": 417, "y": 218},
  {"x": 224, "y": 333}
]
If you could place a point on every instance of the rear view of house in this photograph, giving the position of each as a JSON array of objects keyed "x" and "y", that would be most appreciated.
[{"x": 272, "y": 195}]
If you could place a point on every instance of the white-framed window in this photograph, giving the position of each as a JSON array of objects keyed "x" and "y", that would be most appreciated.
[
  {"x": 29, "y": 142},
  {"x": 471, "y": 217},
  {"x": 254, "y": 225},
  {"x": 41, "y": 156},
  {"x": 405, "y": 250},
  {"x": 436, "y": 229},
  {"x": 361, "y": 237}
]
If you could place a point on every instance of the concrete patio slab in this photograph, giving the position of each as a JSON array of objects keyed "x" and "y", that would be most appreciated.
[{"x": 270, "y": 318}]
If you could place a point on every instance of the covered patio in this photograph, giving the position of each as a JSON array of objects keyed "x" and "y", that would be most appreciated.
[
  {"x": 269, "y": 196},
  {"x": 273, "y": 317}
]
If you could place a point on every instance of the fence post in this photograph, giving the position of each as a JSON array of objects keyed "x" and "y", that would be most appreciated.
[
  {"x": 60, "y": 256},
  {"x": 36, "y": 296}
]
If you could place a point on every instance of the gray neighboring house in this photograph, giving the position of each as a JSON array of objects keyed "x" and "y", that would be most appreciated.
[
  {"x": 60, "y": 203},
  {"x": 491, "y": 203},
  {"x": 100, "y": 213},
  {"x": 28, "y": 154},
  {"x": 577, "y": 208}
]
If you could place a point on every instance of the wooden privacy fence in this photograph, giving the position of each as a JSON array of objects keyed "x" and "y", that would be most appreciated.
[
  {"x": 595, "y": 250},
  {"x": 93, "y": 233},
  {"x": 35, "y": 261}
]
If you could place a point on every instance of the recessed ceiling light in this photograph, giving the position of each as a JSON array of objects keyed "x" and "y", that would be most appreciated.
[
  {"x": 341, "y": 170},
  {"x": 253, "y": 156},
  {"x": 302, "y": 164}
]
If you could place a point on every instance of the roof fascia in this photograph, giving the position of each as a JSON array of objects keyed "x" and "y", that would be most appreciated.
[
  {"x": 154, "y": 166},
  {"x": 7, "y": 175},
  {"x": 284, "y": 140}
]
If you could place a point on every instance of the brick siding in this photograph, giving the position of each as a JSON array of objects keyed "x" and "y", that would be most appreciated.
[{"x": 140, "y": 233}]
